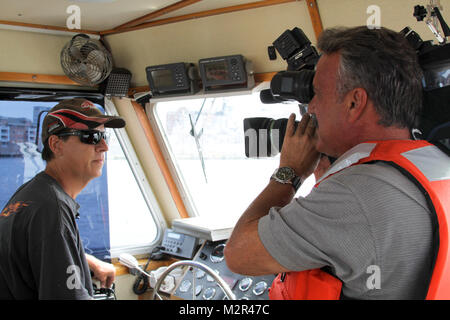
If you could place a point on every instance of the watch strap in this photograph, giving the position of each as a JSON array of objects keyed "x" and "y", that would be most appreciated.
[{"x": 296, "y": 183}]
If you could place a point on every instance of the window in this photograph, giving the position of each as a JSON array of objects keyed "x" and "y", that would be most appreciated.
[
  {"x": 4, "y": 133},
  {"x": 213, "y": 170},
  {"x": 31, "y": 134},
  {"x": 113, "y": 218},
  {"x": 135, "y": 216}
]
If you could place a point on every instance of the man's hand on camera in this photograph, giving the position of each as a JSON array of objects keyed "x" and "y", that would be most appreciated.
[{"x": 299, "y": 150}]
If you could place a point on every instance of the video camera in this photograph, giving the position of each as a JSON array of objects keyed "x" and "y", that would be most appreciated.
[
  {"x": 295, "y": 84},
  {"x": 434, "y": 120}
]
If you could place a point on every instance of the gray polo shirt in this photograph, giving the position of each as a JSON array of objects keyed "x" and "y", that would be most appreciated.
[{"x": 368, "y": 222}]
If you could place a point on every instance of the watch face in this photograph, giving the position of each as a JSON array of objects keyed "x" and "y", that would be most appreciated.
[{"x": 285, "y": 173}]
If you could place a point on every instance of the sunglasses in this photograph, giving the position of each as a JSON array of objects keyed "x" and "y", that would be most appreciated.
[{"x": 88, "y": 136}]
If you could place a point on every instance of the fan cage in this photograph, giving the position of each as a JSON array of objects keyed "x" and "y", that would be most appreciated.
[{"x": 86, "y": 61}]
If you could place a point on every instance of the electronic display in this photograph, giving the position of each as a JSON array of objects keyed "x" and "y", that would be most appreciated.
[
  {"x": 163, "y": 78},
  {"x": 224, "y": 73},
  {"x": 170, "y": 79},
  {"x": 174, "y": 235},
  {"x": 217, "y": 71}
]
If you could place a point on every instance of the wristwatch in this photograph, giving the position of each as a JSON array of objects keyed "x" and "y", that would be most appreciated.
[{"x": 286, "y": 175}]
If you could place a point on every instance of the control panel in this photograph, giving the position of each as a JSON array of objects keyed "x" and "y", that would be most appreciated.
[
  {"x": 197, "y": 285},
  {"x": 179, "y": 244}
]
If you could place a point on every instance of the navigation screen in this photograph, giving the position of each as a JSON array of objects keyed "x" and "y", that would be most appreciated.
[
  {"x": 217, "y": 71},
  {"x": 163, "y": 78}
]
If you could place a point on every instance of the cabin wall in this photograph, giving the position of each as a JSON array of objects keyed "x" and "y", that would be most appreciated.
[
  {"x": 31, "y": 52},
  {"x": 249, "y": 32}
]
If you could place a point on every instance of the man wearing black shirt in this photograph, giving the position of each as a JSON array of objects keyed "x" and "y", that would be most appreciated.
[{"x": 41, "y": 254}]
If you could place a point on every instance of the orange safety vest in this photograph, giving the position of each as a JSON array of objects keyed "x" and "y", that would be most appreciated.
[{"x": 429, "y": 168}]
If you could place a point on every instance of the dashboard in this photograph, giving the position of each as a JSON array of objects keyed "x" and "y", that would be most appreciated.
[{"x": 197, "y": 285}]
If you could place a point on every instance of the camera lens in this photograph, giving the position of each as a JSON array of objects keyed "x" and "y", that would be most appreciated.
[
  {"x": 294, "y": 85},
  {"x": 264, "y": 136}
]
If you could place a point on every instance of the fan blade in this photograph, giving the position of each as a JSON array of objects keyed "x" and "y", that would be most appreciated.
[
  {"x": 94, "y": 73},
  {"x": 97, "y": 57},
  {"x": 75, "y": 53}
]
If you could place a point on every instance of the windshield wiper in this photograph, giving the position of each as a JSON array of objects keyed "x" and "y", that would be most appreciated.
[{"x": 199, "y": 147}]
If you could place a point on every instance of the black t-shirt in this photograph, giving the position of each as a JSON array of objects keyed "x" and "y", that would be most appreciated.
[{"x": 41, "y": 253}]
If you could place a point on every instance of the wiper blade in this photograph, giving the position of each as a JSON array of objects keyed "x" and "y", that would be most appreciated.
[{"x": 199, "y": 147}]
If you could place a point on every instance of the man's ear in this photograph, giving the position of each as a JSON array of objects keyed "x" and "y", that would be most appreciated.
[
  {"x": 356, "y": 103},
  {"x": 54, "y": 143}
]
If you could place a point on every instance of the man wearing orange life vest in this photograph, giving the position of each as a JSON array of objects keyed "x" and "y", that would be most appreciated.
[{"x": 374, "y": 227}]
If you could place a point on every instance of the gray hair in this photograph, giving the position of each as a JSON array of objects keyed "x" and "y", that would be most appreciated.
[{"x": 382, "y": 62}]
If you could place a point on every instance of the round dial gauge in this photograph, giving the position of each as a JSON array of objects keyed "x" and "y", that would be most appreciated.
[
  {"x": 260, "y": 288},
  {"x": 198, "y": 289},
  {"x": 245, "y": 284},
  {"x": 217, "y": 253},
  {"x": 209, "y": 293},
  {"x": 185, "y": 285},
  {"x": 199, "y": 273}
]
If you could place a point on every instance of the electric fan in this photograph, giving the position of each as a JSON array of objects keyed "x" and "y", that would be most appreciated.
[{"x": 85, "y": 60}]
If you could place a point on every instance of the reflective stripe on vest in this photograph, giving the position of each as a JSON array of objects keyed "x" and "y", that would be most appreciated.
[{"x": 427, "y": 167}]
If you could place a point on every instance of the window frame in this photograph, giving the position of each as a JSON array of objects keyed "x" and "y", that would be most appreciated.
[{"x": 143, "y": 184}]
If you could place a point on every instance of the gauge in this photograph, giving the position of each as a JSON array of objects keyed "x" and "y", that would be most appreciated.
[
  {"x": 217, "y": 253},
  {"x": 185, "y": 285},
  {"x": 199, "y": 273},
  {"x": 209, "y": 293},
  {"x": 260, "y": 288},
  {"x": 245, "y": 284},
  {"x": 198, "y": 289}
]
